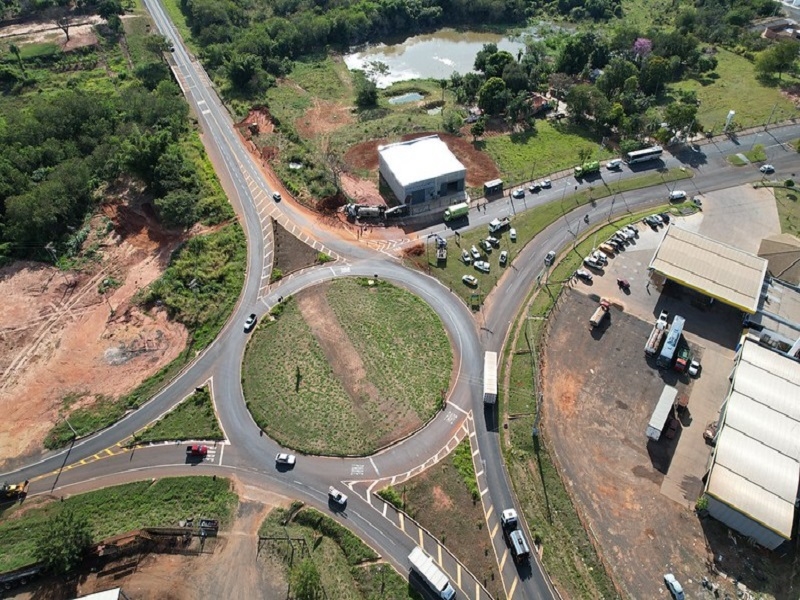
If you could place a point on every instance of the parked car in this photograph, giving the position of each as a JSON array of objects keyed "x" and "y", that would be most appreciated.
[
  {"x": 606, "y": 249},
  {"x": 250, "y": 322},
  {"x": 493, "y": 241},
  {"x": 503, "y": 258},
  {"x": 616, "y": 244},
  {"x": 482, "y": 265},
  {"x": 694, "y": 368},
  {"x": 487, "y": 247},
  {"x": 276, "y": 196},
  {"x": 632, "y": 229},
  {"x": 664, "y": 217},
  {"x": 551, "y": 256},
  {"x": 512, "y": 234},
  {"x": 197, "y": 451},
  {"x": 592, "y": 263},
  {"x": 584, "y": 274},
  {"x": 475, "y": 254},
  {"x": 466, "y": 257},
  {"x": 470, "y": 280},
  {"x": 337, "y": 497},
  {"x": 518, "y": 194},
  {"x": 546, "y": 183},
  {"x": 766, "y": 169},
  {"x": 676, "y": 195},
  {"x": 285, "y": 460},
  {"x": 614, "y": 164},
  {"x": 674, "y": 587},
  {"x": 535, "y": 187},
  {"x": 600, "y": 256}
]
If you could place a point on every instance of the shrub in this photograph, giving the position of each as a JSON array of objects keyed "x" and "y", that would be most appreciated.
[{"x": 392, "y": 497}]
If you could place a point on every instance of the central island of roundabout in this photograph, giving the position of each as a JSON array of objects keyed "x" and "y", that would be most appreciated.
[{"x": 347, "y": 367}]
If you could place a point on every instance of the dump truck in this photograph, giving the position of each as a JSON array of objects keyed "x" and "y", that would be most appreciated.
[
  {"x": 587, "y": 168},
  {"x": 12, "y": 491},
  {"x": 512, "y": 532},
  {"x": 499, "y": 224},
  {"x": 600, "y": 313},
  {"x": 456, "y": 211},
  {"x": 434, "y": 578},
  {"x": 653, "y": 344},
  {"x": 683, "y": 359}
]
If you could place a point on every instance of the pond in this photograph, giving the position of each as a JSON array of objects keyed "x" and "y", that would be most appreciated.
[
  {"x": 404, "y": 98},
  {"x": 431, "y": 55}
]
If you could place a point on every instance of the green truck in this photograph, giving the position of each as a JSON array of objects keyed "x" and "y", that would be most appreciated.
[
  {"x": 456, "y": 211},
  {"x": 587, "y": 168}
]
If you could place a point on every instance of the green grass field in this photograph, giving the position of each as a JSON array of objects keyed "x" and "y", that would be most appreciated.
[
  {"x": 115, "y": 510},
  {"x": 348, "y": 568},
  {"x": 734, "y": 86},
  {"x": 405, "y": 354},
  {"x": 552, "y": 147},
  {"x": 528, "y": 224},
  {"x": 788, "y": 200},
  {"x": 192, "y": 419}
]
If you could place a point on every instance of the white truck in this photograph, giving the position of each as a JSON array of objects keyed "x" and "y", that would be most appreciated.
[
  {"x": 436, "y": 580},
  {"x": 515, "y": 539},
  {"x": 490, "y": 377},
  {"x": 653, "y": 344},
  {"x": 499, "y": 224}
]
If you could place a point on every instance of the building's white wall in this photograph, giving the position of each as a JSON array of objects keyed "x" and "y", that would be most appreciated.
[
  {"x": 390, "y": 179},
  {"x": 743, "y": 524}
]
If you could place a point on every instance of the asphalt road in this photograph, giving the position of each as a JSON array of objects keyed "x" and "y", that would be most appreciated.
[{"x": 98, "y": 459}]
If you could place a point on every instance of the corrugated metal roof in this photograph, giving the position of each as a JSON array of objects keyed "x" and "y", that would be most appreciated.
[
  {"x": 420, "y": 160},
  {"x": 756, "y": 466},
  {"x": 723, "y": 272}
]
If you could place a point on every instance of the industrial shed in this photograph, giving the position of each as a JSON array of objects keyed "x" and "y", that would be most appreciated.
[
  {"x": 717, "y": 270},
  {"x": 755, "y": 470},
  {"x": 421, "y": 170}
]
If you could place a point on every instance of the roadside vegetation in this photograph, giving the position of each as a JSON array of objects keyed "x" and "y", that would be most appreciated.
[
  {"x": 199, "y": 289},
  {"x": 326, "y": 560},
  {"x": 105, "y": 125},
  {"x": 382, "y": 364},
  {"x": 528, "y": 224},
  {"x": 193, "y": 419},
  {"x": 114, "y": 510},
  {"x": 445, "y": 500},
  {"x": 788, "y": 201}
]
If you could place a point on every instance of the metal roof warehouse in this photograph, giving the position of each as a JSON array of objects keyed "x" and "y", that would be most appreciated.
[
  {"x": 755, "y": 471},
  {"x": 715, "y": 269}
]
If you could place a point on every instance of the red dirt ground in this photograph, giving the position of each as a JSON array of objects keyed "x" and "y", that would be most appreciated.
[
  {"x": 480, "y": 166},
  {"x": 59, "y": 336},
  {"x": 322, "y": 118}
]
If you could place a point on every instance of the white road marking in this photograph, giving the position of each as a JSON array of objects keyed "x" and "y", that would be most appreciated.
[{"x": 374, "y": 466}]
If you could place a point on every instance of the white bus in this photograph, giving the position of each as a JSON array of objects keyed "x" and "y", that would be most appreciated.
[{"x": 638, "y": 156}]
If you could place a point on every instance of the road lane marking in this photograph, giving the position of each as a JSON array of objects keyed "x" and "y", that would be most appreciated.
[
  {"x": 479, "y": 473},
  {"x": 439, "y": 549},
  {"x": 421, "y": 539},
  {"x": 108, "y": 452},
  {"x": 402, "y": 522},
  {"x": 494, "y": 529},
  {"x": 483, "y": 492},
  {"x": 489, "y": 512},
  {"x": 222, "y": 451},
  {"x": 458, "y": 574},
  {"x": 385, "y": 506},
  {"x": 513, "y": 587},
  {"x": 503, "y": 560},
  {"x": 374, "y": 466}
]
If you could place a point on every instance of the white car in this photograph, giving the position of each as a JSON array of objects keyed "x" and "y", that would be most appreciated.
[
  {"x": 470, "y": 280},
  {"x": 486, "y": 245},
  {"x": 493, "y": 241},
  {"x": 674, "y": 587},
  {"x": 518, "y": 194},
  {"x": 546, "y": 183},
  {"x": 633, "y": 229},
  {"x": 482, "y": 266},
  {"x": 766, "y": 169},
  {"x": 551, "y": 256},
  {"x": 512, "y": 234},
  {"x": 276, "y": 196},
  {"x": 583, "y": 274},
  {"x": 466, "y": 257},
  {"x": 694, "y": 368},
  {"x": 503, "y": 258},
  {"x": 600, "y": 256},
  {"x": 677, "y": 195},
  {"x": 285, "y": 459},
  {"x": 614, "y": 164},
  {"x": 337, "y": 497},
  {"x": 592, "y": 263},
  {"x": 476, "y": 255},
  {"x": 250, "y": 322}
]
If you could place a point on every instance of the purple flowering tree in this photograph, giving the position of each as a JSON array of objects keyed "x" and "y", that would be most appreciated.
[{"x": 642, "y": 47}]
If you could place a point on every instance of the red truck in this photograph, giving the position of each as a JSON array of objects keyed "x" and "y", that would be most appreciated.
[{"x": 197, "y": 451}]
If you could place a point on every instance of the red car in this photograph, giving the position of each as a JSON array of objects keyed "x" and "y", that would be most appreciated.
[{"x": 199, "y": 451}]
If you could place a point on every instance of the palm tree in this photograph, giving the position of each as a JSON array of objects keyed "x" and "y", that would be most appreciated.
[
  {"x": 443, "y": 85},
  {"x": 15, "y": 51}
]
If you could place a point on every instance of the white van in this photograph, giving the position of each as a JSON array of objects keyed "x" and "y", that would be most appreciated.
[
  {"x": 614, "y": 164},
  {"x": 677, "y": 195}
]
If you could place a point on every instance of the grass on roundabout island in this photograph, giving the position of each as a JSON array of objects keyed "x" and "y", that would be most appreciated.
[
  {"x": 374, "y": 367},
  {"x": 193, "y": 419}
]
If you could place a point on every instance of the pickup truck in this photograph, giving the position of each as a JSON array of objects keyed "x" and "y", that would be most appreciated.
[
  {"x": 499, "y": 224},
  {"x": 197, "y": 451},
  {"x": 337, "y": 497}
]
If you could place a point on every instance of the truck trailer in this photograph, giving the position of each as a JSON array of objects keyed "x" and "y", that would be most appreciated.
[
  {"x": 456, "y": 211},
  {"x": 600, "y": 313},
  {"x": 512, "y": 532},
  {"x": 653, "y": 344},
  {"x": 490, "y": 377},
  {"x": 662, "y": 410},
  {"x": 436, "y": 580}
]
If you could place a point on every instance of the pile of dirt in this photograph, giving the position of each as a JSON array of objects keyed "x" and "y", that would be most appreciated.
[
  {"x": 62, "y": 338},
  {"x": 257, "y": 122},
  {"x": 417, "y": 249},
  {"x": 364, "y": 156}
]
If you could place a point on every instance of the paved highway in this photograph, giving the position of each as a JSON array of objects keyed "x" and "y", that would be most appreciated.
[{"x": 99, "y": 460}]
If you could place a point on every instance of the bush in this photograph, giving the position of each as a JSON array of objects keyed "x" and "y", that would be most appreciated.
[
  {"x": 277, "y": 275},
  {"x": 392, "y": 497},
  {"x": 323, "y": 258},
  {"x": 789, "y": 183}
]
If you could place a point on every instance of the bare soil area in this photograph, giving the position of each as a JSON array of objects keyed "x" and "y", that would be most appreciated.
[
  {"x": 291, "y": 253},
  {"x": 228, "y": 567},
  {"x": 599, "y": 395},
  {"x": 62, "y": 339},
  {"x": 480, "y": 166},
  {"x": 323, "y": 118},
  {"x": 81, "y": 33}
]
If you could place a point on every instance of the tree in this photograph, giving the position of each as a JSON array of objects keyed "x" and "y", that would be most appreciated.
[
  {"x": 62, "y": 17},
  {"x": 443, "y": 84},
  {"x": 14, "y": 49},
  {"x": 366, "y": 93},
  {"x": 680, "y": 115},
  {"x": 656, "y": 72},
  {"x": 178, "y": 209},
  {"x": 306, "y": 582},
  {"x": 779, "y": 59},
  {"x": 616, "y": 73},
  {"x": 497, "y": 62},
  {"x": 61, "y": 543},
  {"x": 483, "y": 55},
  {"x": 493, "y": 96},
  {"x": 451, "y": 121},
  {"x": 478, "y": 129},
  {"x": 642, "y": 47}
]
